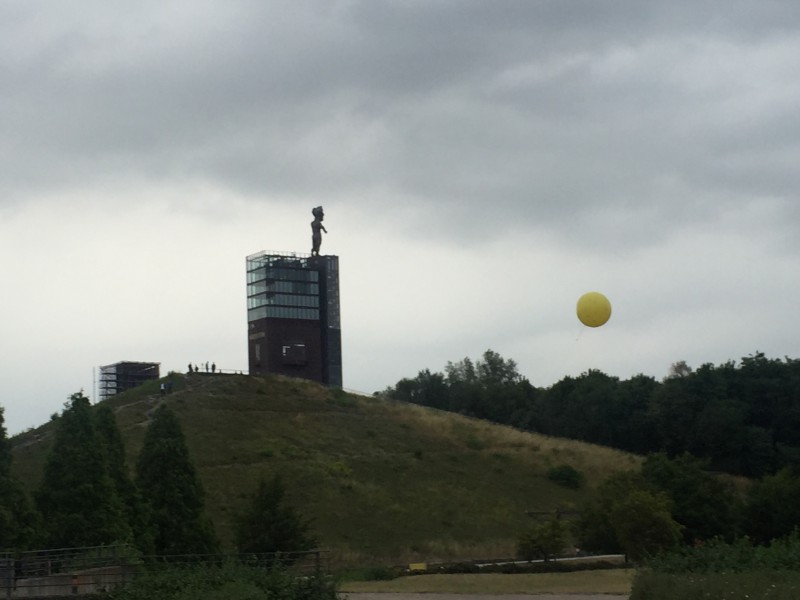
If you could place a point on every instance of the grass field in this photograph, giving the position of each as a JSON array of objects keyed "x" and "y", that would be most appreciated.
[
  {"x": 383, "y": 482},
  {"x": 608, "y": 581}
]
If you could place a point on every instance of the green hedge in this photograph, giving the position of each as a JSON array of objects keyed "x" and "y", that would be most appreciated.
[
  {"x": 227, "y": 582},
  {"x": 550, "y": 566},
  {"x": 720, "y": 570},
  {"x": 717, "y": 556},
  {"x": 751, "y": 585}
]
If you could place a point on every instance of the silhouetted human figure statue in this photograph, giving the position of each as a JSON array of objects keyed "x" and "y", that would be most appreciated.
[{"x": 316, "y": 226}]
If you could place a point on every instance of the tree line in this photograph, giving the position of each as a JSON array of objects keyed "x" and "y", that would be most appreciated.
[
  {"x": 742, "y": 418},
  {"x": 673, "y": 502},
  {"x": 87, "y": 496}
]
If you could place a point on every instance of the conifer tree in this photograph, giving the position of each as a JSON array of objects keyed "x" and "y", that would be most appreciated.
[
  {"x": 135, "y": 508},
  {"x": 167, "y": 479},
  {"x": 77, "y": 499},
  {"x": 18, "y": 520},
  {"x": 270, "y": 525}
]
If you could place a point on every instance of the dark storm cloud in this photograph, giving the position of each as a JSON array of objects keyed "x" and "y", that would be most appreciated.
[
  {"x": 486, "y": 115},
  {"x": 494, "y": 159}
]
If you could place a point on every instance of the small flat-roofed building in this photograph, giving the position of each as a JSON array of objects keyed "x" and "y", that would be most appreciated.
[{"x": 125, "y": 375}]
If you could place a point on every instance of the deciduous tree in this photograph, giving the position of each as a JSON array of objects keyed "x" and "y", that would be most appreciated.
[
  {"x": 643, "y": 524},
  {"x": 544, "y": 540},
  {"x": 629, "y": 516},
  {"x": 701, "y": 502},
  {"x": 772, "y": 510}
]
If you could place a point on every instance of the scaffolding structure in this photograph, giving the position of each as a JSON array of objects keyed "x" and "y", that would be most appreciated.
[{"x": 125, "y": 375}]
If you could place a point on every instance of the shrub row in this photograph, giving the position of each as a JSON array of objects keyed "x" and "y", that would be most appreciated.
[
  {"x": 751, "y": 585},
  {"x": 550, "y": 566},
  {"x": 717, "y": 556},
  {"x": 231, "y": 581},
  {"x": 718, "y": 570}
]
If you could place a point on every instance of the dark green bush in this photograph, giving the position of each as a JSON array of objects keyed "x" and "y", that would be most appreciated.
[
  {"x": 380, "y": 573},
  {"x": 717, "y": 556},
  {"x": 566, "y": 476},
  {"x": 508, "y": 568},
  {"x": 715, "y": 570},
  {"x": 752, "y": 585},
  {"x": 543, "y": 540},
  {"x": 231, "y": 581}
]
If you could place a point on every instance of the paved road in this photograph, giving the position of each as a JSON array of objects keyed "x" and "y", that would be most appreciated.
[{"x": 392, "y": 596}]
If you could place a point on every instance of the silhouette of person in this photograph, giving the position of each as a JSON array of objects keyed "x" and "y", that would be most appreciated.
[{"x": 316, "y": 230}]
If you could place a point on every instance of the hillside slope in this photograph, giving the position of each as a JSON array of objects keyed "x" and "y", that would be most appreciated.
[{"x": 382, "y": 480}]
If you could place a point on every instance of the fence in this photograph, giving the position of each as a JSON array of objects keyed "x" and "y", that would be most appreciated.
[{"x": 70, "y": 572}]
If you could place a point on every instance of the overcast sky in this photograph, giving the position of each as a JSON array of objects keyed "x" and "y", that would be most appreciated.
[{"x": 481, "y": 165}]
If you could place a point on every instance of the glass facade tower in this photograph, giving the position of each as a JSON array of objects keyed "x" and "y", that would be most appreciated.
[{"x": 293, "y": 316}]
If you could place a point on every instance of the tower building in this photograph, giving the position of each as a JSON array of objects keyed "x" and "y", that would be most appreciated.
[{"x": 293, "y": 320}]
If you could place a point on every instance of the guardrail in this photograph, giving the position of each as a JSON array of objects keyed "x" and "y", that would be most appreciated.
[{"x": 70, "y": 572}]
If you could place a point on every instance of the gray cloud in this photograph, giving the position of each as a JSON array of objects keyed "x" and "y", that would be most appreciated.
[
  {"x": 647, "y": 148},
  {"x": 533, "y": 107}
]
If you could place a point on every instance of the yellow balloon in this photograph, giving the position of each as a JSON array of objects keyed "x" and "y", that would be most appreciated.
[{"x": 594, "y": 309}]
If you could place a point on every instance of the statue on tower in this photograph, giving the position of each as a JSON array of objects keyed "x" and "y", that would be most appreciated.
[{"x": 316, "y": 226}]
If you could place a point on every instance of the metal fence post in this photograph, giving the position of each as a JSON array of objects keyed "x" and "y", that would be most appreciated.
[{"x": 7, "y": 571}]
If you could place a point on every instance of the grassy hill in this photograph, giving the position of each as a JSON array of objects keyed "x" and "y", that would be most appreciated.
[{"x": 383, "y": 481}]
